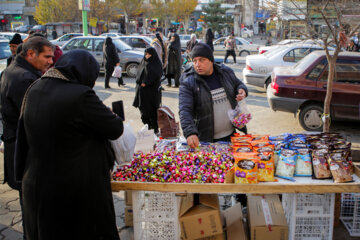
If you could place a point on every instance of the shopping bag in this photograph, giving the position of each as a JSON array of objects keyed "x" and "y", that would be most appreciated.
[
  {"x": 124, "y": 146},
  {"x": 117, "y": 72},
  {"x": 240, "y": 116},
  {"x": 145, "y": 140}
]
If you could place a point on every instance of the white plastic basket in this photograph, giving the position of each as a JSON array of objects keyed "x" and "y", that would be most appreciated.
[
  {"x": 309, "y": 216},
  {"x": 350, "y": 213},
  {"x": 155, "y": 216}
]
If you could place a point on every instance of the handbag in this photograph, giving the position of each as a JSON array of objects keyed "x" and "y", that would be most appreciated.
[{"x": 117, "y": 72}]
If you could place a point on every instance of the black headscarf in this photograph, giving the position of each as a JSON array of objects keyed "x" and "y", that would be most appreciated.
[
  {"x": 108, "y": 41},
  {"x": 152, "y": 68},
  {"x": 79, "y": 66},
  {"x": 157, "y": 35},
  {"x": 209, "y": 37},
  {"x": 176, "y": 45}
]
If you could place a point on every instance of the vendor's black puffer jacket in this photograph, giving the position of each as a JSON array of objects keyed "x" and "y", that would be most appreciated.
[{"x": 195, "y": 101}]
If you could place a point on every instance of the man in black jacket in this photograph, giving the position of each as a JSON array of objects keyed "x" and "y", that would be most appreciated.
[
  {"x": 34, "y": 59},
  {"x": 207, "y": 92}
]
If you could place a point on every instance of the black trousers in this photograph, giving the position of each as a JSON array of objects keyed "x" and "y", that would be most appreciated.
[
  {"x": 176, "y": 77},
  {"x": 232, "y": 53}
]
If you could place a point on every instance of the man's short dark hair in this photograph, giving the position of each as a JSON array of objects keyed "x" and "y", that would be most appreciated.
[{"x": 37, "y": 44}]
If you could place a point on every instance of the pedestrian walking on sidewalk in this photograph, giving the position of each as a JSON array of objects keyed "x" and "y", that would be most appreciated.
[
  {"x": 160, "y": 48},
  {"x": 67, "y": 159},
  {"x": 209, "y": 38},
  {"x": 230, "y": 46},
  {"x": 147, "y": 92},
  {"x": 111, "y": 59},
  {"x": 173, "y": 68},
  {"x": 35, "y": 57},
  {"x": 13, "y": 44},
  {"x": 191, "y": 43}
]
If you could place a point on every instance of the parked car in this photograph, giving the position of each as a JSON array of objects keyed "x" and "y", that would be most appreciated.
[
  {"x": 258, "y": 68},
  {"x": 302, "y": 88},
  {"x": 64, "y": 38},
  {"x": 111, "y": 34},
  {"x": 9, "y": 35},
  {"x": 139, "y": 42},
  {"x": 264, "y": 49},
  {"x": 245, "y": 32},
  {"x": 4, "y": 49},
  {"x": 129, "y": 58},
  {"x": 244, "y": 47},
  {"x": 184, "y": 39},
  {"x": 39, "y": 29},
  {"x": 23, "y": 28}
]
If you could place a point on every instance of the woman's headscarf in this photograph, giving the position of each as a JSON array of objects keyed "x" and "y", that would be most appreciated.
[
  {"x": 79, "y": 66},
  {"x": 108, "y": 41},
  {"x": 152, "y": 66},
  {"x": 176, "y": 43}
]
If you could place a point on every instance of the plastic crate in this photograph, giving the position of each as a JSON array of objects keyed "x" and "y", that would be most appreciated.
[
  {"x": 155, "y": 216},
  {"x": 350, "y": 213},
  {"x": 309, "y": 216}
]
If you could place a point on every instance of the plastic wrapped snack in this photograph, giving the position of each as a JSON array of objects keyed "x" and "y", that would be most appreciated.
[
  {"x": 320, "y": 165},
  {"x": 245, "y": 147},
  {"x": 246, "y": 167},
  {"x": 239, "y": 116},
  {"x": 266, "y": 167},
  {"x": 286, "y": 164},
  {"x": 340, "y": 171},
  {"x": 303, "y": 163}
]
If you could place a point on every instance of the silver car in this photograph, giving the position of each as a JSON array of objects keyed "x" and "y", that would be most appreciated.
[
  {"x": 129, "y": 58},
  {"x": 64, "y": 38}
]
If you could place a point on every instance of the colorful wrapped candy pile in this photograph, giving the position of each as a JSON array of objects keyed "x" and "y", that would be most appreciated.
[
  {"x": 241, "y": 120},
  {"x": 208, "y": 164}
]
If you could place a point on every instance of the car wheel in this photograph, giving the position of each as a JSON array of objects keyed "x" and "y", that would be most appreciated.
[
  {"x": 310, "y": 118},
  {"x": 244, "y": 53},
  {"x": 131, "y": 69}
]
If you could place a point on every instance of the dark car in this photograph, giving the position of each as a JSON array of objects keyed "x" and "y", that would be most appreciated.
[{"x": 302, "y": 88}]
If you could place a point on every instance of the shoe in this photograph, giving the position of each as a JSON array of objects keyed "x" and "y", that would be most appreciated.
[
  {"x": 107, "y": 87},
  {"x": 162, "y": 89},
  {"x": 168, "y": 85},
  {"x": 123, "y": 84}
]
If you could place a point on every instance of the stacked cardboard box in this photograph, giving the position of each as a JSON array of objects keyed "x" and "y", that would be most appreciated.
[{"x": 128, "y": 209}]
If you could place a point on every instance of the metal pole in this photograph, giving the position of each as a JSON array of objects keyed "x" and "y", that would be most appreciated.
[{"x": 84, "y": 22}]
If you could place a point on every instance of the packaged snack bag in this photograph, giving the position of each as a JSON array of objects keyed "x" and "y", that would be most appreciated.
[
  {"x": 286, "y": 164},
  {"x": 320, "y": 165},
  {"x": 340, "y": 171},
  {"x": 263, "y": 148},
  {"x": 266, "y": 167},
  {"x": 244, "y": 147},
  {"x": 303, "y": 163},
  {"x": 241, "y": 139},
  {"x": 246, "y": 167}
]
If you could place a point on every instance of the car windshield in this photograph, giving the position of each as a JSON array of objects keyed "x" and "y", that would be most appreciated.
[
  {"x": 243, "y": 41},
  {"x": 4, "y": 50},
  {"x": 121, "y": 45},
  {"x": 147, "y": 39},
  {"x": 304, "y": 63},
  {"x": 273, "y": 51}
]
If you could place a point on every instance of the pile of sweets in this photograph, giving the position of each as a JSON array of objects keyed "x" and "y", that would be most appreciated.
[
  {"x": 254, "y": 158},
  {"x": 322, "y": 156},
  {"x": 207, "y": 164}
]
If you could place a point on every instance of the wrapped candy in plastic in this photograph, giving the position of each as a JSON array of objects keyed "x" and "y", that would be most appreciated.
[{"x": 239, "y": 116}]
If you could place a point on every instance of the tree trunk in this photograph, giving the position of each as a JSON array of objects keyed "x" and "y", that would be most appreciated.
[{"x": 327, "y": 101}]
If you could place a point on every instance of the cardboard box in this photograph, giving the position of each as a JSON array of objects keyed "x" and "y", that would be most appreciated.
[
  {"x": 128, "y": 198},
  {"x": 266, "y": 218},
  {"x": 235, "y": 228},
  {"x": 220, "y": 236},
  {"x": 129, "y": 217},
  {"x": 200, "y": 220}
]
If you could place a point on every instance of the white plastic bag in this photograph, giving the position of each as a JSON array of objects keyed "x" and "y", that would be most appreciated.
[
  {"x": 124, "y": 146},
  {"x": 240, "y": 116},
  {"x": 117, "y": 72}
]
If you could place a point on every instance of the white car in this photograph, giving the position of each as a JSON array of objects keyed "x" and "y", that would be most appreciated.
[
  {"x": 282, "y": 42},
  {"x": 111, "y": 34},
  {"x": 244, "y": 47},
  {"x": 65, "y": 38},
  {"x": 245, "y": 32},
  {"x": 258, "y": 68},
  {"x": 184, "y": 39},
  {"x": 9, "y": 35}
]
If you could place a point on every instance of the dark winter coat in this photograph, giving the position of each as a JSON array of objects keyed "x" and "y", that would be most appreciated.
[
  {"x": 66, "y": 179},
  {"x": 174, "y": 57},
  {"x": 209, "y": 38},
  {"x": 16, "y": 78},
  {"x": 195, "y": 101},
  {"x": 147, "y": 98},
  {"x": 111, "y": 58}
]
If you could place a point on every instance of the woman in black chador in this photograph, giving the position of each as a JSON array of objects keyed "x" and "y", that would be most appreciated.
[
  {"x": 209, "y": 38},
  {"x": 147, "y": 92},
  {"x": 173, "y": 68},
  {"x": 111, "y": 59}
]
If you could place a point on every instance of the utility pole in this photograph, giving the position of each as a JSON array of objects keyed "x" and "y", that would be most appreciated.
[{"x": 84, "y": 6}]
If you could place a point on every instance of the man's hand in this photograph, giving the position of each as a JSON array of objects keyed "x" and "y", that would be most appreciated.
[
  {"x": 241, "y": 95},
  {"x": 193, "y": 141}
]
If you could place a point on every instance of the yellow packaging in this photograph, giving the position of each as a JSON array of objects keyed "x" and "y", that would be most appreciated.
[
  {"x": 266, "y": 167},
  {"x": 246, "y": 167}
]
